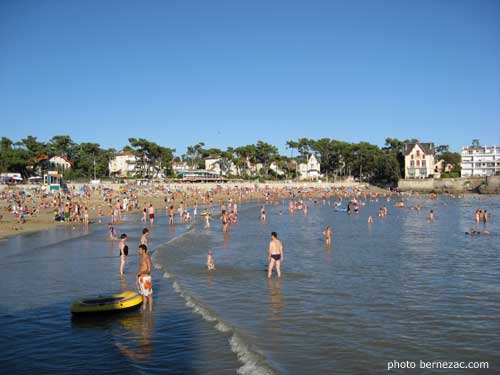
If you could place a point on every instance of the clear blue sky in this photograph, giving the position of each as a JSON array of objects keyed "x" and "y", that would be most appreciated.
[{"x": 233, "y": 72}]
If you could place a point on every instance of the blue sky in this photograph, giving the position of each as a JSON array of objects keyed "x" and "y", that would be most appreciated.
[{"x": 234, "y": 72}]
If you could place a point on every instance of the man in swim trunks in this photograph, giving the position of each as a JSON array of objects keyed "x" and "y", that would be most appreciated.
[
  {"x": 151, "y": 211},
  {"x": 144, "y": 283},
  {"x": 276, "y": 256}
]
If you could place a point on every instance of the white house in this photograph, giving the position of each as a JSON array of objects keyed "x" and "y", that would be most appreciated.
[
  {"x": 61, "y": 163},
  {"x": 123, "y": 164},
  {"x": 276, "y": 169},
  {"x": 310, "y": 170},
  {"x": 419, "y": 160}
]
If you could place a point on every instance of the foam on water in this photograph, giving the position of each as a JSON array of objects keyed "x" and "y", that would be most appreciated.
[{"x": 253, "y": 361}]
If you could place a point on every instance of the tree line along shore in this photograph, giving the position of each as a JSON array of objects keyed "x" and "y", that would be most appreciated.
[{"x": 338, "y": 159}]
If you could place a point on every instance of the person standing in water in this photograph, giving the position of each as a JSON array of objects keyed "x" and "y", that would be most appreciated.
[
  {"x": 431, "y": 215},
  {"x": 151, "y": 211},
  {"x": 263, "y": 214},
  {"x": 328, "y": 235},
  {"x": 276, "y": 256},
  {"x": 144, "y": 284},
  {"x": 123, "y": 251},
  {"x": 144, "y": 237},
  {"x": 210, "y": 261}
]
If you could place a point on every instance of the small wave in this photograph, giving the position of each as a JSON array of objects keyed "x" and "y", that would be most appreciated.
[
  {"x": 166, "y": 275},
  {"x": 222, "y": 327},
  {"x": 253, "y": 361}
]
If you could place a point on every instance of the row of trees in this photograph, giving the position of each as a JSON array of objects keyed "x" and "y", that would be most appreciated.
[{"x": 362, "y": 160}]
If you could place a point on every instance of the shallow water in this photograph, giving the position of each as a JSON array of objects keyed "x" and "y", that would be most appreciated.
[{"x": 400, "y": 289}]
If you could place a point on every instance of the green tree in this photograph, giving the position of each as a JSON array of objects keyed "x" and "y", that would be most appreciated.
[
  {"x": 265, "y": 154},
  {"x": 243, "y": 155},
  {"x": 194, "y": 155},
  {"x": 453, "y": 158},
  {"x": 61, "y": 145},
  {"x": 153, "y": 159},
  {"x": 13, "y": 159}
]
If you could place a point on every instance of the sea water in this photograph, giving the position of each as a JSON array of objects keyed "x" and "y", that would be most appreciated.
[{"x": 400, "y": 289}]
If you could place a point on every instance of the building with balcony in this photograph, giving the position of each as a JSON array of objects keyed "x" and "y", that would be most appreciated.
[
  {"x": 480, "y": 160},
  {"x": 123, "y": 164},
  {"x": 419, "y": 160}
]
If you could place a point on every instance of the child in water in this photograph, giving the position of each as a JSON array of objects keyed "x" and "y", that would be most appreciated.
[
  {"x": 210, "y": 261},
  {"x": 112, "y": 232}
]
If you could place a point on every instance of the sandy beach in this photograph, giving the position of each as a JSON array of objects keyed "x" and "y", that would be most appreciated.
[{"x": 42, "y": 206}]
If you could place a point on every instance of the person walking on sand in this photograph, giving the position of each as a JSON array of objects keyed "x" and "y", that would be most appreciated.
[
  {"x": 144, "y": 283},
  {"x": 123, "y": 251},
  {"x": 276, "y": 255}
]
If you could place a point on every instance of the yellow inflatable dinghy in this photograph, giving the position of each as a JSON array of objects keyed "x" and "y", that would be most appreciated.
[
  {"x": 116, "y": 302},
  {"x": 205, "y": 213}
]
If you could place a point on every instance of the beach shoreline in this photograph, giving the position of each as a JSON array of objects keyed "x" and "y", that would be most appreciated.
[{"x": 155, "y": 195}]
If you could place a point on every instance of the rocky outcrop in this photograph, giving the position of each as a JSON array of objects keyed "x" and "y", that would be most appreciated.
[{"x": 445, "y": 185}]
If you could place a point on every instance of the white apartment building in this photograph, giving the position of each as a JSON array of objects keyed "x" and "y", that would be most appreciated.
[
  {"x": 123, "y": 164},
  {"x": 480, "y": 160},
  {"x": 419, "y": 160}
]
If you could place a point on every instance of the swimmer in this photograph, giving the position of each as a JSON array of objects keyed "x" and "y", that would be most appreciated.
[
  {"x": 112, "y": 232},
  {"x": 210, "y": 261},
  {"x": 276, "y": 255},
  {"x": 473, "y": 232}
]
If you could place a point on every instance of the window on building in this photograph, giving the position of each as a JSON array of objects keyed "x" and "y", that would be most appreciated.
[
  {"x": 418, "y": 153},
  {"x": 411, "y": 156},
  {"x": 423, "y": 163},
  {"x": 418, "y": 163},
  {"x": 412, "y": 163}
]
